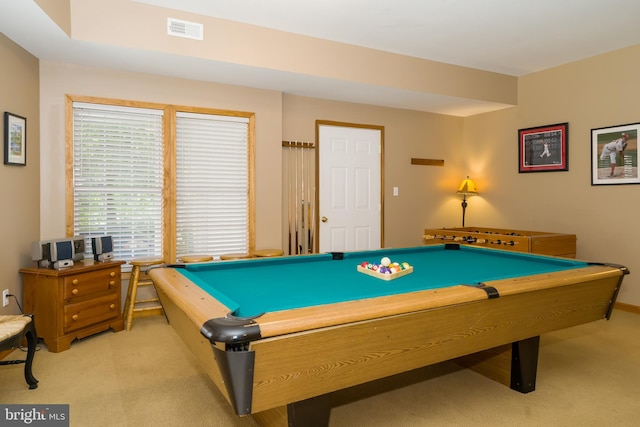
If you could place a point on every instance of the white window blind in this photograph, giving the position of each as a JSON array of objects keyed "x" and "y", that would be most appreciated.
[
  {"x": 118, "y": 177},
  {"x": 212, "y": 184}
]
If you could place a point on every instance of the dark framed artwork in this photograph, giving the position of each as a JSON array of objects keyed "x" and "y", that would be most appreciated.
[
  {"x": 614, "y": 155},
  {"x": 15, "y": 140},
  {"x": 544, "y": 148}
]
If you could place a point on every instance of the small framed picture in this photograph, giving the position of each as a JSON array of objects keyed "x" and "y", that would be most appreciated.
[
  {"x": 15, "y": 140},
  {"x": 614, "y": 155},
  {"x": 544, "y": 148}
]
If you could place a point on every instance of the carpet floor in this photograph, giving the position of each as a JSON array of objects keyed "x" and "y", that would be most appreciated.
[{"x": 588, "y": 375}]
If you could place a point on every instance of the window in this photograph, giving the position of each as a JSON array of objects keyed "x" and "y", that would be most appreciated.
[
  {"x": 159, "y": 195},
  {"x": 211, "y": 184},
  {"x": 117, "y": 177}
]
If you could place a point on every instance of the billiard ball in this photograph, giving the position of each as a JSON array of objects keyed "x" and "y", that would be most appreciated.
[{"x": 385, "y": 261}]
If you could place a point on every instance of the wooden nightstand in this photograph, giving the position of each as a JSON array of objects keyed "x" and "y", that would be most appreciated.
[{"x": 75, "y": 302}]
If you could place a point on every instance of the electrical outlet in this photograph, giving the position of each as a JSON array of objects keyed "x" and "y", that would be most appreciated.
[{"x": 5, "y": 297}]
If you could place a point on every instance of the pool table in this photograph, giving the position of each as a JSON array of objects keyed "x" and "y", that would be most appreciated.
[{"x": 278, "y": 335}]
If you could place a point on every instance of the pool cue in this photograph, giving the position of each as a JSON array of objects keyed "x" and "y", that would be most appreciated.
[
  {"x": 289, "y": 195},
  {"x": 296, "y": 197},
  {"x": 303, "y": 238},
  {"x": 309, "y": 201},
  {"x": 310, "y": 187},
  {"x": 303, "y": 233}
]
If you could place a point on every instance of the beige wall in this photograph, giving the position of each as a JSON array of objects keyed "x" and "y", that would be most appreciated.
[
  {"x": 597, "y": 92},
  {"x": 20, "y": 211}
]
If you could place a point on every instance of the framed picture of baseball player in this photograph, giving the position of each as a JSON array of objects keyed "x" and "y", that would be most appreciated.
[
  {"x": 544, "y": 148},
  {"x": 614, "y": 155}
]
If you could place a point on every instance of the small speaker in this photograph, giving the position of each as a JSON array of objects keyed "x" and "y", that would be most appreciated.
[
  {"x": 37, "y": 251},
  {"x": 102, "y": 248},
  {"x": 40, "y": 250}
]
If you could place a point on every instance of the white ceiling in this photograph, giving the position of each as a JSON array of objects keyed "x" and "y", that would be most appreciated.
[{"x": 513, "y": 37}]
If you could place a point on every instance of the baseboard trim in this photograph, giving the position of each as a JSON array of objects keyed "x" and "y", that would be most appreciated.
[{"x": 627, "y": 307}]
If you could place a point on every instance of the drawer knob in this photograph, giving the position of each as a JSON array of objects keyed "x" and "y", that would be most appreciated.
[
  {"x": 75, "y": 281},
  {"x": 112, "y": 283},
  {"x": 74, "y": 291},
  {"x": 112, "y": 274},
  {"x": 74, "y": 317},
  {"x": 112, "y": 306}
]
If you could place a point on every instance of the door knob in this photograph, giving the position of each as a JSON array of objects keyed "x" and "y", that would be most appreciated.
[{"x": 324, "y": 219}]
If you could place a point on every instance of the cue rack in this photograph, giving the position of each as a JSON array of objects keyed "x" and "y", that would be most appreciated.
[{"x": 299, "y": 161}]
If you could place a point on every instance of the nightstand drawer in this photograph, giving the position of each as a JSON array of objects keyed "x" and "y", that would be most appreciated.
[
  {"x": 80, "y": 315},
  {"x": 88, "y": 284}
]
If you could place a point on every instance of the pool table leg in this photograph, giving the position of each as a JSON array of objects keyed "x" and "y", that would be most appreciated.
[
  {"x": 312, "y": 412},
  {"x": 515, "y": 365},
  {"x": 524, "y": 364}
]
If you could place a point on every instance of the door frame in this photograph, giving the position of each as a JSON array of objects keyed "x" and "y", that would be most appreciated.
[{"x": 316, "y": 244}]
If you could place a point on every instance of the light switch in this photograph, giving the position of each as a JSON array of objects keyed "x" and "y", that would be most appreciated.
[{"x": 395, "y": 191}]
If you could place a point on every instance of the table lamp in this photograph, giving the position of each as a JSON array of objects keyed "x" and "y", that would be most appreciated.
[{"x": 467, "y": 188}]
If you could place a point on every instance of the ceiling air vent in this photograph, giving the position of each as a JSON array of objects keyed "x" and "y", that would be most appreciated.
[{"x": 186, "y": 29}]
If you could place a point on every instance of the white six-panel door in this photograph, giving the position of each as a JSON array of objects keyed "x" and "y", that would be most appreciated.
[{"x": 349, "y": 188}]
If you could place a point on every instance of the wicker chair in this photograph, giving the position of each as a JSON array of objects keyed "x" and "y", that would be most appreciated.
[{"x": 13, "y": 328}]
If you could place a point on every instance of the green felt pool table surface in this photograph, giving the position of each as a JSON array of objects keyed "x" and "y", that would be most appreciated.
[{"x": 252, "y": 287}]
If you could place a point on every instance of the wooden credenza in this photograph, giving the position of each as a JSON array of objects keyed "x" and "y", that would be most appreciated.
[
  {"x": 537, "y": 242},
  {"x": 74, "y": 302}
]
